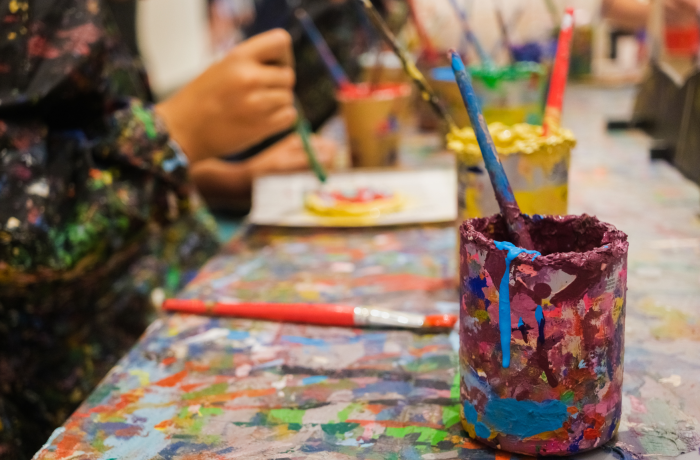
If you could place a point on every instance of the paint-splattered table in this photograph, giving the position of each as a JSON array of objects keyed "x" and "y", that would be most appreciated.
[{"x": 201, "y": 388}]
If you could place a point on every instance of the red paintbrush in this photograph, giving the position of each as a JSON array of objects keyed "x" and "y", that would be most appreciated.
[
  {"x": 560, "y": 71},
  {"x": 312, "y": 313}
]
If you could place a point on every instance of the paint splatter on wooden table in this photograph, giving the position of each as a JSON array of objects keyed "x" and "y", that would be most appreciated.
[{"x": 205, "y": 388}]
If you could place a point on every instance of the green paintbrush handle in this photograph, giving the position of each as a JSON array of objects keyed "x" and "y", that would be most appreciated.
[{"x": 304, "y": 131}]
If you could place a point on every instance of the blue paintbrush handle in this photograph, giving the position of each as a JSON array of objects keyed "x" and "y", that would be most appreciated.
[
  {"x": 499, "y": 180},
  {"x": 339, "y": 76}
]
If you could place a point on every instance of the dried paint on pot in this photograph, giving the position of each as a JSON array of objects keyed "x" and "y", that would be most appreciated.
[
  {"x": 542, "y": 334},
  {"x": 537, "y": 166}
]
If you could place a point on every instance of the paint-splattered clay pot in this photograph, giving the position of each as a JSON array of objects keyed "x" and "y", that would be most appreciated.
[
  {"x": 542, "y": 335},
  {"x": 537, "y": 167}
]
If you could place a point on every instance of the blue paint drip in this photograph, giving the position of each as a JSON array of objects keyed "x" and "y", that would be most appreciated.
[
  {"x": 504, "y": 297},
  {"x": 499, "y": 180},
  {"x": 525, "y": 418},
  {"x": 539, "y": 316},
  {"x": 520, "y": 322}
]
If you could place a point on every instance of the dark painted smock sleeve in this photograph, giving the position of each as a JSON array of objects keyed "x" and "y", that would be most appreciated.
[{"x": 138, "y": 138}]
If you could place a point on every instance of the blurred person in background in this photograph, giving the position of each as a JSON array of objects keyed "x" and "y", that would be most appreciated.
[
  {"x": 97, "y": 210},
  {"x": 634, "y": 14}
]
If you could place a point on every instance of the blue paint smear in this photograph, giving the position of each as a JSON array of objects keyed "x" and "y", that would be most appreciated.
[
  {"x": 520, "y": 322},
  {"x": 574, "y": 447},
  {"x": 525, "y": 418},
  {"x": 476, "y": 287},
  {"x": 504, "y": 296},
  {"x": 273, "y": 363},
  {"x": 470, "y": 413},
  {"x": 182, "y": 448},
  {"x": 387, "y": 386},
  {"x": 482, "y": 430},
  {"x": 238, "y": 335},
  {"x": 618, "y": 452},
  {"x": 305, "y": 341},
  {"x": 314, "y": 379}
]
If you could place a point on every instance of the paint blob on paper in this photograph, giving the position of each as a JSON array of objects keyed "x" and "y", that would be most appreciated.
[
  {"x": 542, "y": 334},
  {"x": 354, "y": 202}
]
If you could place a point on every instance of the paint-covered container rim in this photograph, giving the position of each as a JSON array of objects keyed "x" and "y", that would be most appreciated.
[
  {"x": 492, "y": 75},
  {"x": 365, "y": 91},
  {"x": 573, "y": 241},
  {"x": 521, "y": 138}
]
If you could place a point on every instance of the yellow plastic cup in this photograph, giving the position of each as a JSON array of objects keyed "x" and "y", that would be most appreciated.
[{"x": 537, "y": 168}]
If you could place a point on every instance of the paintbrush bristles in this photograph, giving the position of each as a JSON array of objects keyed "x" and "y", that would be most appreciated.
[
  {"x": 504, "y": 32},
  {"x": 408, "y": 65}
]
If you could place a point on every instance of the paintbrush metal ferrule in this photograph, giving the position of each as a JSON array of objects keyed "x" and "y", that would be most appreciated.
[
  {"x": 367, "y": 316},
  {"x": 309, "y": 313}
]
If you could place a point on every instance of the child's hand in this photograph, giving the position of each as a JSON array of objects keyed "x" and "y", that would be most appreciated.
[
  {"x": 289, "y": 155},
  {"x": 681, "y": 12},
  {"x": 237, "y": 102},
  {"x": 227, "y": 185}
]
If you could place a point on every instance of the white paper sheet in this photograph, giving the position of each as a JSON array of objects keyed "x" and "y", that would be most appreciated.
[{"x": 431, "y": 196}]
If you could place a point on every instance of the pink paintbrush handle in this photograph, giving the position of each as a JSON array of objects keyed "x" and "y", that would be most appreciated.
[{"x": 557, "y": 84}]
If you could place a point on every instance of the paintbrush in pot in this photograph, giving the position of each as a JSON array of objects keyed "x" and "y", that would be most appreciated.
[
  {"x": 552, "y": 10},
  {"x": 339, "y": 76},
  {"x": 312, "y": 313},
  {"x": 469, "y": 34},
  {"x": 560, "y": 72},
  {"x": 408, "y": 65},
  {"x": 303, "y": 129},
  {"x": 504, "y": 32},
  {"x": 504, "y": 193},
  {"x": 377, "y": 68}
]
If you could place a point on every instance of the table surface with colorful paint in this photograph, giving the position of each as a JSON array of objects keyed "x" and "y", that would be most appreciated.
[{"x": 209, "y": 388}]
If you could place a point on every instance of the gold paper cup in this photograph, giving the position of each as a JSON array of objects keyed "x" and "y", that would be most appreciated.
[{"x": 371, "y": 116}]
